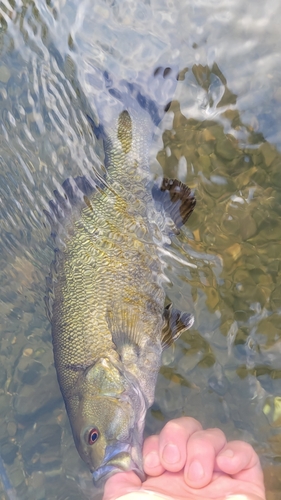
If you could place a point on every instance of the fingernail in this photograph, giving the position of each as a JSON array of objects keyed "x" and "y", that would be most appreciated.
[
  {"x": 227, "y": 453},
  {"x": 152, "y": 459},
  {"x": 195, "y": 471},
  {"x": 171, "y": 454}
]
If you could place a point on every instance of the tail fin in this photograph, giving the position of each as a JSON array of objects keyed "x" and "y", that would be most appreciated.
[{"x": 151, "y": 93}]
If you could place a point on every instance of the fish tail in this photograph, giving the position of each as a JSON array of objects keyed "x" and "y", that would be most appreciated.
[{"x": 150, "y": 92}]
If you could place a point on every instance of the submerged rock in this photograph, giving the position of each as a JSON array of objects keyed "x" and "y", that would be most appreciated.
[
  {"x": 29, "y": 370},
  {"x": 32, "y": 401},
  {"x": 9, "y": 452},
  {"x": 5, "y": 74},
  {"x": 41, "y": 447}
]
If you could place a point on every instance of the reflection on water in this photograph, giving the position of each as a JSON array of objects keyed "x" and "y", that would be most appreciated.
[{"x": 223, "y": 142}]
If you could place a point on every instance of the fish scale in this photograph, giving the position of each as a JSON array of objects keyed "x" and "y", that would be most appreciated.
[
  {"x": 106, "y": 299},
  {"x": 132, "y": 277}
]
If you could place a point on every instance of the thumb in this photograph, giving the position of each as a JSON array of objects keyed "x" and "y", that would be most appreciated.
[{"x": 121, "y": 484}]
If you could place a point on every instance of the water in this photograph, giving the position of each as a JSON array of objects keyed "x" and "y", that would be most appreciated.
[{"x": 223, "y": 139}]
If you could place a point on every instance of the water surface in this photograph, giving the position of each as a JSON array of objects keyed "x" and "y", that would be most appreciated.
[{"x": 222, "y": 138}]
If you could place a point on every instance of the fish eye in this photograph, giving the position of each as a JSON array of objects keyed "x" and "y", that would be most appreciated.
[{"x": 93, "y": 435}]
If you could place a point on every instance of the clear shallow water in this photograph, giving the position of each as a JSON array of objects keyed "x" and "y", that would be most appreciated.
[{"x": 223, "y": 140}]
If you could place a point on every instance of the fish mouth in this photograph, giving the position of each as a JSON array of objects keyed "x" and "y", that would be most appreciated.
[{"x": 118, "y": 458}]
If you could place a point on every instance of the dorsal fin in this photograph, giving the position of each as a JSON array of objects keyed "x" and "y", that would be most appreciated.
[
  {"x": 66, "y": 208},
  {"x": 64, "y": 211},
  {"x": 176, "y": 322},
  {"x": 177, "y": 200}
]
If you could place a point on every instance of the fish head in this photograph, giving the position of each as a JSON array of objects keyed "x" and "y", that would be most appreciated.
[{"x": 108, "y": 422}]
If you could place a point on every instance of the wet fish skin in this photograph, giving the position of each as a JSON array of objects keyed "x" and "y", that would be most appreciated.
[{"x": 109, "y": 323}]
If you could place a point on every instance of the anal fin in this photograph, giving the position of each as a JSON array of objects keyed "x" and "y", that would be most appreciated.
[
  {"x": 176, "y": 322},
  {"x": 176, "y": 198}
]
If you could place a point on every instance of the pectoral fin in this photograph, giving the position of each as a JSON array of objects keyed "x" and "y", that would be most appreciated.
[
  {"x": 176, "y": 322},
  {"x": 176, "y": 199},
  {"x": 124, "y": 327}
]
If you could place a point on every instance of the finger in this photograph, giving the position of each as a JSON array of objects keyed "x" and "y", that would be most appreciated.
[
  {"x": 240, "y": 460},
  {"x": 172, "y": 442},
  {"x": 122, "y": 483},
  {"x": 239, "y": 496},
  {"x": 202, "y": 449},
  {"x": 168, "y": 450},
  {"x": 151, "y": 459}
]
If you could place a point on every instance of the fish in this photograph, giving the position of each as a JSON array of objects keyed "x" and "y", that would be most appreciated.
[{"x": 106, "y": 298}]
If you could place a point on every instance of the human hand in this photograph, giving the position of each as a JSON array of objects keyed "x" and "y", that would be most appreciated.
[{"x": 189, "y": 463}]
